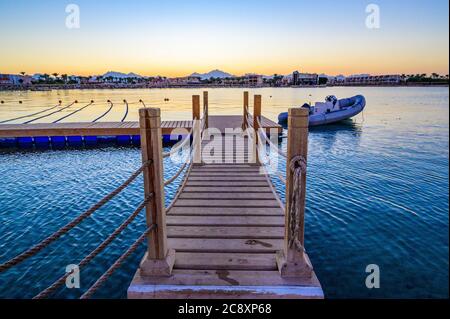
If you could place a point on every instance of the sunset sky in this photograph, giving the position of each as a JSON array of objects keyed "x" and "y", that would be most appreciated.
[{"x": 179, "y": 37}]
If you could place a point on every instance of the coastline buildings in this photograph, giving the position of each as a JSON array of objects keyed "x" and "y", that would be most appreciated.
[
  {"x": 304, "y": 78},
  {"x": 365, "y": 79},
  {"x": 15, "y": 80}
]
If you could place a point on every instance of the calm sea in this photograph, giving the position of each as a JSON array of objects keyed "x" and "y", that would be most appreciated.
[{"x": 378, "y": 190}]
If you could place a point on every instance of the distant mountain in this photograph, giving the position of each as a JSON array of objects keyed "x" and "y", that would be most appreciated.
[
  {"x": 212, "y": 74},
  {"x": 119, "y": 75}
]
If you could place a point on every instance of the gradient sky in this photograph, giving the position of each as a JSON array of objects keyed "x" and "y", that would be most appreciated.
[{"x": 178, "y": 37}]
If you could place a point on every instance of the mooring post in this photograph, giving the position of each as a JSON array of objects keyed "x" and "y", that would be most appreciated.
[
  {"x": 256, "y": 118},
  {"x": 159, "y": 259},
  {"x": 206, "y": 108},
  {"x": 293, "y": 261},
  {"x": 245, "y": 124},
  {"x": 197, "y": 130}
]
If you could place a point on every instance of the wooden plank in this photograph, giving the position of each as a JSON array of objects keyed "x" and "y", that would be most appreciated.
[
  {"x": 207, "y": 169},
  {"x": 225, "y": 203},
  {"x": 224, "y": 195},
  {"x": 226, "y": 278},
  {"x": 250, "y": 232},
  {"x": 227, "y": 178},
  {"x": 225, "y": 211},
  {"x": 226, "y": 184},
  {"x": 240, "y": 221},
  {"x": 213, "y": 261},
  {"x": 76, "y": 129},
  {"x": 225, "y": 245}
]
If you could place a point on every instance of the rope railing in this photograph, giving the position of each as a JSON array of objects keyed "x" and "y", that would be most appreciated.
[
  {"x": 47, "y": 115},
  {"x": 117, "y": 264},
  {"x": 74, "y": 112},
  {"x": 177, "y": 174},
  {"x": 126, "y": 111},
  {"x": 30, "y": 115},
  {"x": 62, "y": 231},
  {"x": 106, "y": 113},
  {"x": 267, "y": 140},
  {"x": 52, "y": 288},
  {"x": 178, "y": 147}
]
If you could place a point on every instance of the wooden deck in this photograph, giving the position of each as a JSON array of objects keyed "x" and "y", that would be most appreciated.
[
  {"x": 226, "y": 226},
  {"x": 116, "y": 128}
]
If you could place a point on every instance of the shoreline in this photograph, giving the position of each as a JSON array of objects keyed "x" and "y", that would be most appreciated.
[{"x": 93, "y": 87}]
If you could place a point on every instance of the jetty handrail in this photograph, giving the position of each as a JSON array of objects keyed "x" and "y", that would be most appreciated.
[
  {"x": 54, "y": 112},
  {"x": 30, "y": 115},
  {"x": 263, "y": 135},
  {"x": 118, "y": 263},
  {"x": 53, "y": 287},
  {"x": 107, "y": 111},
  {"x": 292, "y": 260},
  {"x": 50, "y": 239},
  {"x": 126, "y": 111},
  {"x": 178, "y": 147},
  {"x": 74, "y": 112}
]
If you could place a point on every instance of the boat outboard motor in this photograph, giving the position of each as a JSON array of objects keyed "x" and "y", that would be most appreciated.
[
  {"x": 332, "y": 99},
  {"x": 307, "y": 106}
]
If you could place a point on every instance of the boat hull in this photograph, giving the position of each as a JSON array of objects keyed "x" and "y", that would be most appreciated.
[{"x": 352, "y": 107}]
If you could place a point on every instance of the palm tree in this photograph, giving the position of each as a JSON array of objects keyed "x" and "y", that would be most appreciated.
[
  {"x": 435, "y": 76},
  {"x": 23, "y": 73}
]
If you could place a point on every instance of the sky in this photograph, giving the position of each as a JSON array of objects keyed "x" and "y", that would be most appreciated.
[{"x": 179, "y": 37}]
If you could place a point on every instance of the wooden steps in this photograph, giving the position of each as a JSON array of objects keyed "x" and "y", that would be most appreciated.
[{"x": 226, "y": 227}]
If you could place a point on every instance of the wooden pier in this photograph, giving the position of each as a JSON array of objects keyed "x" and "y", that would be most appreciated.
[{"x": 227, "y": 234}]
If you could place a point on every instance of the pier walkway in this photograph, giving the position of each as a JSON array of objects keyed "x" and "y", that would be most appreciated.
[{"x": 226, "y": 233}]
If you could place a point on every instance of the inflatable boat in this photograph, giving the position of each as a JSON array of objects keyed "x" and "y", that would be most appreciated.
[{"x": 332, "y": 111}]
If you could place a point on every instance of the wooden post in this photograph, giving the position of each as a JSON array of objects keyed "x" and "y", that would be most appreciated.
[
  {"x": 206, "y": 108},
  {"x": 256, "y": 117},
  {"x": 196, "y": 107},
  {"x": 245, "y": 124},
  {"x": 293, "y": 261},
  {"x": 196, "y": 129},
  {"x": 159, "y": 260}
]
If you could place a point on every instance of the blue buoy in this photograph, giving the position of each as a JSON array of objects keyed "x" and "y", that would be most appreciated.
[
  {"x": 8, "y": 142},
  {"x": 136, "y": 140},
  {"x": 123, "y": 140},
  {"x": 42, "y": 141},
  {"x": 90, "y": 140},
  {"x": 75, "y": 141},
  {"x": 58, "y": 142},
  {"x": 106, "y": 140},
  {"x": 25, "y": 142},
  {"x": 168, "y": 141}
]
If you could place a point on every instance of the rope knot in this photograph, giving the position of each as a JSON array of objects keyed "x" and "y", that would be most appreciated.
[{"x": 297, "y": 163}]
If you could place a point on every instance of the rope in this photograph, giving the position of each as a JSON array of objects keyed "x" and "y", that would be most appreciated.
[
  {"x": 126, "y": 111},
  {"x": 76, "y": 111},
  {"x": 88, "y": 294},
  {"x": 297, "y": 166},
  {"x": 104, "y": 114},
  {"x": 41, "y": 117},
  {"x": 174, "y": 150},
  {"x": 46, "y": 242},
  {"x": 173, "y": 178},
  {"x": 30, "y": 115},
  {"x": 183, "y": 183},
  {"x": 51, "y": 289},
  {"x": 273, "y": 146}
]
